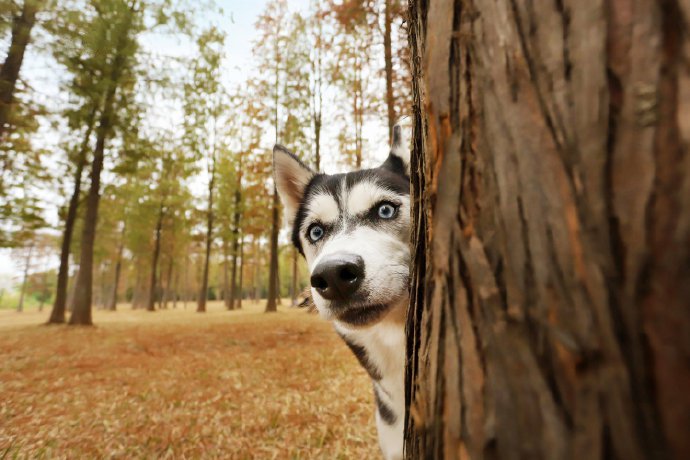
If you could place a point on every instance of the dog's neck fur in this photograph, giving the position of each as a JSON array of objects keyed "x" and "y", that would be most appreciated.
[{"x": 380, "y": 350}]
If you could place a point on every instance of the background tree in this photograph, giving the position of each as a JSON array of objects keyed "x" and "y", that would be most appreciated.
[
  {"x": 23, "y": 20},
  {"x": 114, "y": 48},
  {"x": 269, "y": 51},
  {"x": 549, "y": 314},
  {"x": 203, "y": 109}
]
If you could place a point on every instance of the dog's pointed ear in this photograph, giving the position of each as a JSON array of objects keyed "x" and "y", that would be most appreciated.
[
  {"x": 291, "y": 177},
  {"x": 398, "y": 159}
]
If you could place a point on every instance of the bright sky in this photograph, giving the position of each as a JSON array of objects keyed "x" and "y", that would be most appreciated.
[{"x": 44, "y": 77}]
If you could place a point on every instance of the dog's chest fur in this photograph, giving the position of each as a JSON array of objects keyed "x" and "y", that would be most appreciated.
[{"x": 380, "y": 349}]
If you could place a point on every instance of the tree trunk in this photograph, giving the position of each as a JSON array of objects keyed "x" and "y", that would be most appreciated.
[
  {"x": 317, "y": 143},
  {"x": 57, "y": 315},
  {"x": 203, "y": 293},
  {"x": 118, "y": 270},
  {"x": 257, "y": 268},
  {"x": 271, "y": 303},
  {"x": 9, "y": 71},
  {"x": 81, "y": 312},
  {"x": 226, "y": 281},
  {"x": 186, "y": 282},
  {"x": 153, "y": 285},
  {"x": 549, "y": 313},
  {"x": 240, "y": 287},
  {"x": 235, "y": 248},
  {"x": 388, "y": 58}
]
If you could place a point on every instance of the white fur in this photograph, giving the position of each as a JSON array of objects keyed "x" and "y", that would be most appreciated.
[
  {"x": 323, "y": 208},
  {"x": 363, "y": 196},
  {"x": 385, "y": 345}
]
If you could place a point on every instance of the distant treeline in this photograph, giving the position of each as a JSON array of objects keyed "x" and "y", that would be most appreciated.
[{"x": 162, "y": 173}]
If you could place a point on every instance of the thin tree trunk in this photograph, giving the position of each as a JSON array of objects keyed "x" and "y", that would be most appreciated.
[
  {"x": 118, "y": 269},
  {"x": 388, "y": 58},
  {"x": 186, "y": 283},
  {"x": 153, "y": 285},
  {"x": 226, "y": 282},
  {"x": 317, "y": 143},
  {"x": 81, "y": 312},
  {"x": 235, "y": 247},
  {"x": 9, "y": 71},
  {"x": 57, "y": 315},
  {"x": 239, "y": 295},
  {"x": 271, "y": 303},
  {"x": 550, "y": 308},
  {"x": 25, "y": 278},
  {"x": 257, "y": 267},
  {"x": 203, "y": 293}
]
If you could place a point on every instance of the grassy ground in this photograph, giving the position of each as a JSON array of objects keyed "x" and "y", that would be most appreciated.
[{"x": 178, "y": 384}]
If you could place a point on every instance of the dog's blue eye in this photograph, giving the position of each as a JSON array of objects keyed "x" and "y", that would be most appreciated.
[
  {"x": 315, "y": 233},
  {"x": 386, "y": 211}
]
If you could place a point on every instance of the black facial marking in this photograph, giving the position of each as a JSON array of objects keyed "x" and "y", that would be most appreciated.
[
  {"x": 361, "y": 354},
  {"x": 386, "y": 413},
  {"x": 393, "y": 179},
  {"x": 361, "y": 316},
  {"x": 395, "y": 164}
]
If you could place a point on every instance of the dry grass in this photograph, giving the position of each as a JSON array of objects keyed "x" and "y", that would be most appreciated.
[{"x": 177, "y": 384}]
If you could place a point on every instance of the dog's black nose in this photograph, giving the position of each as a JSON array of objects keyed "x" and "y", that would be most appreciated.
[{"x": 338, "y": 277}]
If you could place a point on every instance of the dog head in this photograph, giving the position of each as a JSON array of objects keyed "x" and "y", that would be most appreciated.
[{"x": 353, "y": 229}]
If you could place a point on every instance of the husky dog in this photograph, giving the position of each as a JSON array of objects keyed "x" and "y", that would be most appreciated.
[{"x": 353, "y": 229}]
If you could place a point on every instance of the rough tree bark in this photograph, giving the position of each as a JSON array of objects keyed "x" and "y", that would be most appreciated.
[
  {"x": 550, "y": 310},
  {"x": 9, "y": 71}
]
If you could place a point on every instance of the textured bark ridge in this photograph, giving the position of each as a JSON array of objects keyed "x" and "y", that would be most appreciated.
[{"x": 550, "y": 314}]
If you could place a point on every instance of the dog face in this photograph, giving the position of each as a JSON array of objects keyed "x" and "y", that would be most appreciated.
[{"x": 353, "y": 230}]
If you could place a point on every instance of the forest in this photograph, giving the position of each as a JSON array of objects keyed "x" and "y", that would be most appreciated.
[{"x": 136, "y": 157}]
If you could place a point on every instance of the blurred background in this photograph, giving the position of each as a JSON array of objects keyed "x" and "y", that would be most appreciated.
[
  {"x": 135, "y": 147},
  {"x": 200, "y": 91}
]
